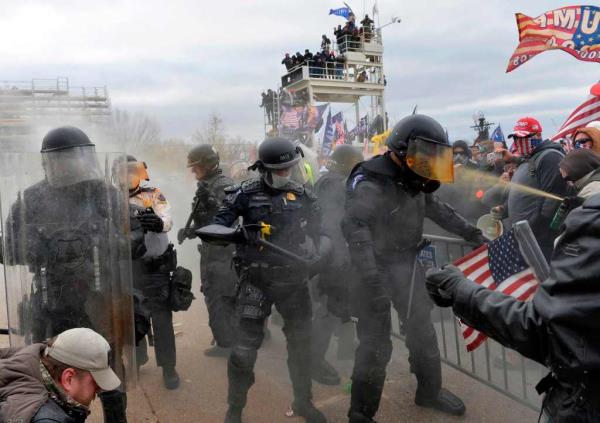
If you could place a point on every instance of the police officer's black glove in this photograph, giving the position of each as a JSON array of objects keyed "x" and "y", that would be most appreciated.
[
  {"x": 476, "y": 238},
  {"x": 184, "y": 234},
  {"x": 151, "y": 222},
  {"x": 441, "y": 284}
]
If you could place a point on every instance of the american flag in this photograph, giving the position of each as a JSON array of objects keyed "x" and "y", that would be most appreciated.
[
  {"x": 290, "y": 117},
  {"x": 587, "y": 112},
  {"x": 572, "y": 29},
  {"x": 498, "y": 266}
]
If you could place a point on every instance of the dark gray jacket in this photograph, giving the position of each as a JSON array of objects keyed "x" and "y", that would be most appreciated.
[
  {"x": 51, "y": 412},
  {"x": 540, "y": 172},
  {"x": 560, "y": 327}
]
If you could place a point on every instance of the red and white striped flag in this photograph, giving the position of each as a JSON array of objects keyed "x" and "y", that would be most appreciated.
[
  {"x": 498, "y": 266},
  {"x": 290, "y": 118},
  {"x": 587, "y": 112}
]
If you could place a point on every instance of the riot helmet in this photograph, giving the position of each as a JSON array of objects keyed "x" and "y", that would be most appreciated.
[
  {"x": 278, "y": 159},
  {"x": 69, "y": 157},
  {"x": 344, "y": 158},
  {"x": 203, "y": 155},
  {"x": 421, "y": 142},
  {"x": 136, "y": 173}
]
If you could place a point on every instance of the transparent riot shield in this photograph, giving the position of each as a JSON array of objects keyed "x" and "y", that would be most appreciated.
[{"x": 66, "y": 251}]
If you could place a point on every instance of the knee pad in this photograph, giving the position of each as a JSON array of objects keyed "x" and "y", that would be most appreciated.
[{"x": 243, "y": 358}]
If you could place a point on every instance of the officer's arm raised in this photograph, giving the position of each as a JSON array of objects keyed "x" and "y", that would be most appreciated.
[{"x": 445, "y": 216}]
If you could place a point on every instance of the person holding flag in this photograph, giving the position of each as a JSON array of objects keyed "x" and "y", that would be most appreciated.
[{"x": 558, "y": 327}]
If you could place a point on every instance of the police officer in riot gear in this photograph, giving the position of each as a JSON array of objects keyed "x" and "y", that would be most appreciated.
[
  {"x": 217, "y": 276},
  {"x": 152, "y": 272},
  {"x": 291, "y": 213},
  {"x": 334, "y": 282},
  {"x": 387, "y": 199},
  {"x": 67, "y": 230}
]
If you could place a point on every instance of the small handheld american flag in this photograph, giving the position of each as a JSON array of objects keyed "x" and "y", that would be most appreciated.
[{"x": 498, "y": 266}]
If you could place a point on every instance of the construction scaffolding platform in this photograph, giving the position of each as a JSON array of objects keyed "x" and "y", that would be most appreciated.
[
  {"x": 355, "y": 70},
  {"x": 25, "y": 105}
]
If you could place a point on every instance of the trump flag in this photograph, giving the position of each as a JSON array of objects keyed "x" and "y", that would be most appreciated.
[{"x": 574, "y": 29}]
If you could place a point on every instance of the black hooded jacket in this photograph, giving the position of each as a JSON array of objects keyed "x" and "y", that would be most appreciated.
[{"x": 560, "y": 327}]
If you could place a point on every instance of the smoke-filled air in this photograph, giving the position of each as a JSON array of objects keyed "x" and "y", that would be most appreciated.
[{"x": 320, "y": 212}]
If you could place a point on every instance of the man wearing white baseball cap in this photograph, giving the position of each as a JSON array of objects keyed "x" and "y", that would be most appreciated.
[{"x": 55, "y": 381}]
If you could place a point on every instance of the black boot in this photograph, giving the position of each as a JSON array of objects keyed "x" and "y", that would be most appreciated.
[
  {"x": 234, "y": 414},
  {"x": 445, "y": 401},
  {"x": 324, "y": 373},
  {"x": 114, "y": 404},
  {"x": 170, "y": 377},
  {"x": 306, "y": 409},
  {"x": 356, "y": 417}
]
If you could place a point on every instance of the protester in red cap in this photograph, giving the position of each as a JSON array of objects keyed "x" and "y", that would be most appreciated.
[{"x": 539, "y": 170}]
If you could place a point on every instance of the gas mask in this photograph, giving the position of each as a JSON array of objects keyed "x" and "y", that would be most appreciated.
[
  {"x": 278, "y": 182},
  {"x": 460, "y": 159}
]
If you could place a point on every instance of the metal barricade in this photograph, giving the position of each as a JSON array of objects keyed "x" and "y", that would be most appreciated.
[{"x": 505, "y": 371}]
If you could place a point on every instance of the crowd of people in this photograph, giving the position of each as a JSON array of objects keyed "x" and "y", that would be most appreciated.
[
  {"x": 348, "y": 37},
  {"x": 325, "y": 62},
  {"x": 358, "y": 227}
]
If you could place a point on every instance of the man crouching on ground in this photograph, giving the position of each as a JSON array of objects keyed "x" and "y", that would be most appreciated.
[{"x": 55, "y": 381}]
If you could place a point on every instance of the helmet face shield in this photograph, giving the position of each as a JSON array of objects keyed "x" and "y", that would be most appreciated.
[
  {"x": 136, "y": 172},
  {"x": 71, "y": 166},
  {"x": 430, "y": 159},
  {"x": 299, "y": 173},
  {"x": 279, "y": 177}
]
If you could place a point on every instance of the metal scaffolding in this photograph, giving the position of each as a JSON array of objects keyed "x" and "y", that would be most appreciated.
[{"x": 25, "y": 105}]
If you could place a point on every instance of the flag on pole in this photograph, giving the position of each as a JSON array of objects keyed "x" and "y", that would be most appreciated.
[
  {"x": 290, "y": 117},
  {"x": 498, "y": 135},
  {"x": 498, "y": 266},
  {"x": 344, "y": 12},
  {"x": 327, "y": 144},
  {"x": 585, "y": 113},
  {"x": 314, "y": 115},
  {"x": 574, "y": 29}
]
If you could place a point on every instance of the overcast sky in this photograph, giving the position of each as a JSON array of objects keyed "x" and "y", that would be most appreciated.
[{"x": 181, "y": 60}]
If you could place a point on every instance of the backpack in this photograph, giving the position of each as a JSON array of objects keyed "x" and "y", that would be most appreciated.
[{"x": 181, "y": 295}]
